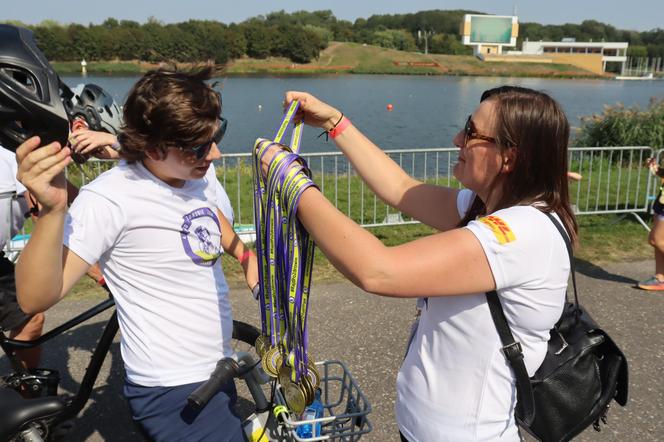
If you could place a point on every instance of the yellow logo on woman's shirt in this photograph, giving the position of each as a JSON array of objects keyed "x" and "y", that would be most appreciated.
[{"x": 500, "y": 229}]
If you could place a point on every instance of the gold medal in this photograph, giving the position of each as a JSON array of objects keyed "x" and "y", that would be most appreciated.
[
  {"x": 294, "y": 397},
  {"x": 308, "y": 388},
  {"x": 271, "y": 362},
  {"x": 284, "y": 375},
  {"x": 261, "y": 345},
  {"x": 313, "y": 374}
]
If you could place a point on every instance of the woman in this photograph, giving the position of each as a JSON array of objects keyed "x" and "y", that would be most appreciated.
[{"x": 455, "y": 383}]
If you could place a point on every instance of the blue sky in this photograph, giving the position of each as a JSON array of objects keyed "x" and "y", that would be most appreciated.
[{"x": 635, "y": 14}]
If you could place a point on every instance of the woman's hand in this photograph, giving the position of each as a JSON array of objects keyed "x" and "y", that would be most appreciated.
[
  {"x": 40, "y": 169},
  {"x": 89, "y": 142},
  {"x": 313, "y": 111}
]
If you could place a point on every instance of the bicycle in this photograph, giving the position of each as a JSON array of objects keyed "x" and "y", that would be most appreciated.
[{"x": 40, "y": 416}]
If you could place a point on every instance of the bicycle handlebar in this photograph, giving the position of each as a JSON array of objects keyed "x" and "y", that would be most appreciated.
[{"x": 226, "y": 370}]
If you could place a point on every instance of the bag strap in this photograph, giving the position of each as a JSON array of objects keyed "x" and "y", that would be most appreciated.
[
  {"x": 512, "y": 349},
  {"x": 514, "y": 355},
  {"x": 563, "y": 233}
]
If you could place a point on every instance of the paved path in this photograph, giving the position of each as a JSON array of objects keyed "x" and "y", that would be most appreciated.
[{"x": 369, "y": 334}]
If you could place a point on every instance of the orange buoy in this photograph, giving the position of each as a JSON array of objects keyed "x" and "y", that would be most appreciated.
[{"x": 390, "y": 107}]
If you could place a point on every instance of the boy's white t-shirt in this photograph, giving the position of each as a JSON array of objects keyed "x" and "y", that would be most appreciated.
[
  {"x": 159, "y": 249},
  {"x": 455, "y": 383}
]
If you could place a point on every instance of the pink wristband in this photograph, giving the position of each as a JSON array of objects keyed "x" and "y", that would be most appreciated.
[
  {"x": 245, "y": 256},
  {"x": 339, "y": 128}
]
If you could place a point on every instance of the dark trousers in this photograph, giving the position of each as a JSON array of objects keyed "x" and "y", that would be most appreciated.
[{"x": 164, "y": 415}]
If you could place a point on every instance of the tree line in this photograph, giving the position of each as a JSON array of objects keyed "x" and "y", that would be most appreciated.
[{"x": 299, "y": 36}]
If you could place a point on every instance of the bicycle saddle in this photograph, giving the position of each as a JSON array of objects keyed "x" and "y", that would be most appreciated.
[{"x": 15, "y": 411}]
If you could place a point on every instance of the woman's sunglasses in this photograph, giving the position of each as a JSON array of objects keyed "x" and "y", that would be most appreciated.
[
  {"x": 201, "y": 150},
  {"x": 470, "y": 133}
]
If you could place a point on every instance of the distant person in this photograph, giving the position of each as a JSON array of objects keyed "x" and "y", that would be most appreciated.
[
  {"x": 14, "y": 207},
  {"x": 96, "y": 122},
  {"x": 656, "y": 236},
  {"x": 455, "y": 383},
  {"x": 158, "y": 223}
]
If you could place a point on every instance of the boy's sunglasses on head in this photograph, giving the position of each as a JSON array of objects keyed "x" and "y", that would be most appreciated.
[{"x": 201, "y": 150}]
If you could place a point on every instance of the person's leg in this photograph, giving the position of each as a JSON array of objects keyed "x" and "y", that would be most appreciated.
[
  {"x": 656, "y": 240},
  {"x": 12, "y": 318},
  {"x": 32, "y": 329},
  {"x": 165, "y": 416}
]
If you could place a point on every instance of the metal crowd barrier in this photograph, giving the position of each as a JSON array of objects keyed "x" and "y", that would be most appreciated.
[{"x": 615, "y": 181}]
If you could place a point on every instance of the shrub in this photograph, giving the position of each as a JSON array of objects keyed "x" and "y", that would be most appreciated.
[{"x": 621, "y": 126}]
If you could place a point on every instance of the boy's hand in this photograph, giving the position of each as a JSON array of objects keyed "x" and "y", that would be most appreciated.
[{"x": 40, "y": 169}]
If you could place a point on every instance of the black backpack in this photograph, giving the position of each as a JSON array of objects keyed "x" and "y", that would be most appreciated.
[{"x": 583, "y": 370}]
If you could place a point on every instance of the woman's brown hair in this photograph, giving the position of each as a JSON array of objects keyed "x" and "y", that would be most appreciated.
[
  {"x": 168, "y": 108},
  {"x": 535, "y": 125}
]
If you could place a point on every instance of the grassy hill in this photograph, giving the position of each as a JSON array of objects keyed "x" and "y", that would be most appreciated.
[{"x": 355, "y": 58}]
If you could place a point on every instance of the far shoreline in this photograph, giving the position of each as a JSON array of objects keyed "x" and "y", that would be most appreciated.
[
  {"x": 63, "y": 70},
  {"x": 351, "y": 59}
]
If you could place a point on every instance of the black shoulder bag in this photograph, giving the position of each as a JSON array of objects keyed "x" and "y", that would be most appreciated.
[{"x": 583, "y": 370}]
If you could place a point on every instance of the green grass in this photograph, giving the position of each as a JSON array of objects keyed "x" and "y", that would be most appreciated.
[{"x": 615, "y": 182}]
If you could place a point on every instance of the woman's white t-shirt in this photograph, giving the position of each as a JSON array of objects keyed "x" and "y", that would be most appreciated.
[
  {"x": 455, "y": 383},
  {"x": 159, "y": 249}
]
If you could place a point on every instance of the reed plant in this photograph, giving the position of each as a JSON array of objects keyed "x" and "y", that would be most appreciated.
[{"x": 624, "y": 126}]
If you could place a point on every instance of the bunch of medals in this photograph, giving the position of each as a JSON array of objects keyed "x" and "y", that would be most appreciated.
[{"x": 285, "y": 261}]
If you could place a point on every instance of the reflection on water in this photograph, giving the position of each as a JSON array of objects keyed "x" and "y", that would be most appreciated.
[{"x": 427, "y": 110}]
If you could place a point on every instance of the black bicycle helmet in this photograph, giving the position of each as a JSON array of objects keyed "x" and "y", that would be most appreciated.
[
  {"x": 96, "y": 106},
  {"x": 30, "y": 101}
]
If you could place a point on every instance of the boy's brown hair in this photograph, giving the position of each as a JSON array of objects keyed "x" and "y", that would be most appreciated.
[{"x": 169, "y": 108}]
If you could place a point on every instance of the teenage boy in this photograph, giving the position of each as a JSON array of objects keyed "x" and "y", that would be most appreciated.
[{"x": 142, "y": 221}]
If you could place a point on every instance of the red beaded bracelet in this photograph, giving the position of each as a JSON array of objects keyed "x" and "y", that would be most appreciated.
[{"x": 339, "y": 128}]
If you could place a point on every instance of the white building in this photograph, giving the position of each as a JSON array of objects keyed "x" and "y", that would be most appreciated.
[{"x": 610, "y": 52}]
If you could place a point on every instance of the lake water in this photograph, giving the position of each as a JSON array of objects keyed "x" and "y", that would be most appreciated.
[{"x": 427, "y": 110}]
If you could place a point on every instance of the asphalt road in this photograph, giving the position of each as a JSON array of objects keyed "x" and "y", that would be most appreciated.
[{"x": 369, "y": 333}]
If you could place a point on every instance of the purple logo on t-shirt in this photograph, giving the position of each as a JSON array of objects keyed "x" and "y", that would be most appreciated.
[{"x": 197, "y": 235}]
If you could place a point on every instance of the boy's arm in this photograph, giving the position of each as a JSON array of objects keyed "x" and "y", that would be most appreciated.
[
  {"x": 46, "y": 270},
  {"x": 233, "y": 245}
]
